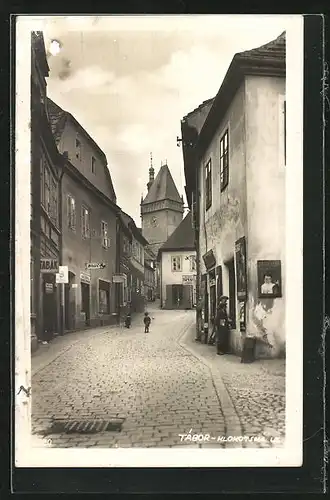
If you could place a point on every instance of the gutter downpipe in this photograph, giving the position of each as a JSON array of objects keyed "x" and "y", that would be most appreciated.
[
  {"x": 62, "y": 286},
  {"x": 198, "y": 275},
  {"x": 118, "y": 259}
]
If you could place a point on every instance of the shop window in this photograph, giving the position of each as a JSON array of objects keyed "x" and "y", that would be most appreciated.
[{"x": 104, "y": 297}]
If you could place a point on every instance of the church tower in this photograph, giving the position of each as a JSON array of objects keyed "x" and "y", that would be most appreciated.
[{"x": 161, "y": 209}]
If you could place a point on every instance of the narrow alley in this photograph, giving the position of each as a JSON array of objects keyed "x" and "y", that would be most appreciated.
[{"x": 152, "y": 389}]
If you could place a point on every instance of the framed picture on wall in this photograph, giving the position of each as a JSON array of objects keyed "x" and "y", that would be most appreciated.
[
  {"x": 269, "y": 278},
  {"x": 240, "y": 251}
]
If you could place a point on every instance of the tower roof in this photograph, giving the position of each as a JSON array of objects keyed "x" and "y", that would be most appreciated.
[
  {"x": 182, "y": 238},
  {"x": 162, "y": 188}
]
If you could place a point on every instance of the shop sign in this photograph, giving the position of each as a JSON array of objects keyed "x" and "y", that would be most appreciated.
[
  {"x": 188, "y": 279},
  {"x": 85, "y": 278},
  {"x": 209, "y": 259},
  {"x": 118, "y": 278},
  {"x": 49, "y": 288},
  {"x": 95, "y": 265},
  {"x": 48, "y": 265}
]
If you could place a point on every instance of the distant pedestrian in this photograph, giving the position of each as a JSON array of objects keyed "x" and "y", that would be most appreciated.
[
  {"x": 222, "y": 326},
  {"x": 146, "y": 321},
  {"x": 128, "y": 320}
]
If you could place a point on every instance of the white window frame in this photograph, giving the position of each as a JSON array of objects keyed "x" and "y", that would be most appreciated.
[
  {"x": 85, "y": 229},
  {"x": 71, "y": 212},
  {"x": 192, "y": 262},
  {"x": 175, "y": 260},
  {"x": 104, "y": 235}
]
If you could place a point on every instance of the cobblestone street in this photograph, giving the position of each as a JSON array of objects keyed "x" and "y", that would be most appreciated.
[{"x": 159, "y": 385}]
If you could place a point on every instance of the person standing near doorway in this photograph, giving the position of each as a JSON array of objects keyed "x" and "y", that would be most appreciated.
[{"x": 222, "y": 326}]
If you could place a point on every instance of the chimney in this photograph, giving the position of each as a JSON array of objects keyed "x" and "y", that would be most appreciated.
[{"x": 151, "y": 173}]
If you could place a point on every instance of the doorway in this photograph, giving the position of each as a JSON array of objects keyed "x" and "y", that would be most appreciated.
[
  {"x": 69, "y": 304},
  {"x": 213, "y": 296},
  {"x": 49, "y": 307},
  {"x": 177, "y": 296},
  {"x": 85, "y": 302},
  {"x": 230, "y": 266}
]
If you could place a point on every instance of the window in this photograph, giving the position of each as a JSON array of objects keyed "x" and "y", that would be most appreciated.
[
  {"x": 192, "y": 263},
  {"x": 47, "y": 190},
  {"x": 42, "y": 184},
  {"x": 71, "y": 207},
  {"x": 53, "y": 203},
  {"x": 176, "y": 264},
  {"x": 208, "y": 184},
  {"x": 104, "y": 234},
  {"x": 224, "y": 161},
  {"x": 104, "y": 297},
  {"x": 85, "y": 222},
  {"x": 78, "y": 149},
  {"x": 93, "y": 165}
]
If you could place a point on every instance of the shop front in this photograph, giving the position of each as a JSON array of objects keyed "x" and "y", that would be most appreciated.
[{"x": 50, "y": 298}]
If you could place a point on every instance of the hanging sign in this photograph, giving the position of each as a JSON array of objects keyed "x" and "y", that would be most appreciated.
[{"x": 63, "y": 274}]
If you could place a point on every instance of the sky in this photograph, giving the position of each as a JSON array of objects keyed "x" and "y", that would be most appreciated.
[{"x": 129, "y": 81}]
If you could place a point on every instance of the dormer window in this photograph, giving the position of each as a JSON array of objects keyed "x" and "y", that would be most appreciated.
[{"x": 78, "y": 149}]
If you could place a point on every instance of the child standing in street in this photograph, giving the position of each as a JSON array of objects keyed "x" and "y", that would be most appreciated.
[{"x": 146, "y": 321}]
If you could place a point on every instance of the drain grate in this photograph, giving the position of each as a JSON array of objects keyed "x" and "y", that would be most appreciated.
[{"x": 84, "y": 426}]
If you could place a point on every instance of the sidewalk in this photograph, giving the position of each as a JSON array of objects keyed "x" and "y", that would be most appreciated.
[
  {"x": 252, "y": 394},
  {"x": 231, "y": 362}
]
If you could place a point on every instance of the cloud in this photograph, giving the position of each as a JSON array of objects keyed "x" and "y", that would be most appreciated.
[{"x": 131, "y": 80}]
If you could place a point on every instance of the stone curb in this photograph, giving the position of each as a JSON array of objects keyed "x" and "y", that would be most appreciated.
[{"x": 233, "y": 424}]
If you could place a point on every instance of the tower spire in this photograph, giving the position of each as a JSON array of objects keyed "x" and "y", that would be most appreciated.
[{"x": 151, "y": 173}]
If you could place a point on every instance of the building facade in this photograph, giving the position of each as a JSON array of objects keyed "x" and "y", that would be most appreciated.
[
  {"x": 161, "y": 212},
  {"x": 149, "y": 275},
  {"x": 161, "y": 209},
  {"x": 238, "y": 185},
  {"x": 89, "y": 227},
  {"x": 46, "y": 171},
  {"x": 133, "y": 268},
  {"x": 177, "y": 264}
]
